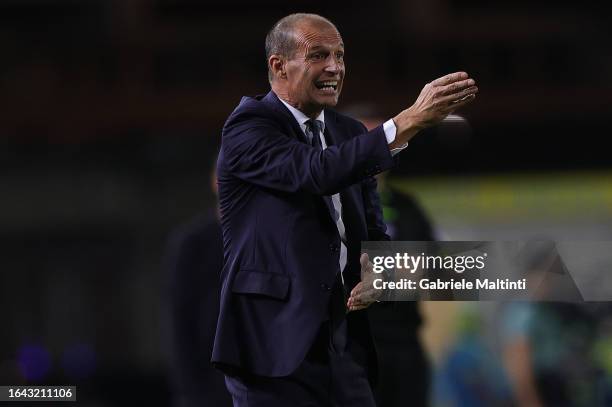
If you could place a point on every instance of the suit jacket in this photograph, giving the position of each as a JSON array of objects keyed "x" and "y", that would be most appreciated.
[{"x": 281, "y": 244}]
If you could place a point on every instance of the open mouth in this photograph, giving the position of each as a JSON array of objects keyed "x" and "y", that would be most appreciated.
[{"x": 327, "y": 86}]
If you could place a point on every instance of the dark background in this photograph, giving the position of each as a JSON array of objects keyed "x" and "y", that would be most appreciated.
[{"x": 110, "y": 117}]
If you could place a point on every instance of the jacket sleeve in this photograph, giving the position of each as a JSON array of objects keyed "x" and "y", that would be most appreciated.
[{"x": 255, "y": 149}]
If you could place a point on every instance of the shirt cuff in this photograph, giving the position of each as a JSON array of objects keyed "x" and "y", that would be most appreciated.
[{"x": 390, "y": 130}]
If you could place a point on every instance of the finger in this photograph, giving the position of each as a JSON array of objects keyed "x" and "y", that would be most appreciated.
[
  {"x": 364, "y": 260},
  {"x": 359, "y": 298},
  {"x": 462, "y": 102},
  {"x": 357, "y": 289},
  {"x": 366, "y": 265},
  {"x": 358, "y": 307},
  {"x": 364, "y": 301},
  {"x": 456, "y": 87},
  {"x": 457, "y": 97},
  {"x": 366, "y": 296},
  {"x": 450, "y": 78},
  {"x": 354, "y": 304}
]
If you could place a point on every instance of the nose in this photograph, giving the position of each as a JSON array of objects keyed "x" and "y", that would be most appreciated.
[{"x": 333, "y": 65}]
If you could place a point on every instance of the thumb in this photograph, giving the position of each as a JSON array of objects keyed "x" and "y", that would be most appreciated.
[
  {"x": 364, "y": 260},
  {"x": 366, "y": 265}
]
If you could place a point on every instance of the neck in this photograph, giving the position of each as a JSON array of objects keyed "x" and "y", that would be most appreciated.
[
  {"x": 312, "y": 114},
  {"x": 311, "y": 111}
]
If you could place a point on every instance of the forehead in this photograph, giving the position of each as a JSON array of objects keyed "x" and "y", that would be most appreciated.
[{"x": 311, "y": 34}]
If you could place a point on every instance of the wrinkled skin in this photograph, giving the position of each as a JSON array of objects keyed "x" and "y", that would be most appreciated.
[{"x": 319, "y": 57}]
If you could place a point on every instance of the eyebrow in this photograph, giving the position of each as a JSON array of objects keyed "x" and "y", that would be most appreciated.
[{"x": 321, "y": 47}]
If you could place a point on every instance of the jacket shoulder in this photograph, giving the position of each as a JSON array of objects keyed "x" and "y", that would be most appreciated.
[
  {"x": 249, "y": 104},
  {"x": 347, "y": 121},
  {"x": 254, "y": 110}
]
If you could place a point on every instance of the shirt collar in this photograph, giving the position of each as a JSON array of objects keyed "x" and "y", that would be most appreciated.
[{"x": 301, "y": 118}]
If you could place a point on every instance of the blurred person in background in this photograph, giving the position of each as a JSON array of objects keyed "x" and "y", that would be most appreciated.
[
  {"x": 556, "y": 349},
  {"x": 404, "y": 370},
  {"x": 558, "y": 354},
  {"x": 471, "y": 373},
  {"x": 297, "y": 196},
  {"x": 193, "y": 262}
]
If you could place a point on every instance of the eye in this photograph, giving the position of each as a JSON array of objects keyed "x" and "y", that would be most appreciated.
[
  {"x": 340, "y": 56},
  {"x": 318, "y": 56}
]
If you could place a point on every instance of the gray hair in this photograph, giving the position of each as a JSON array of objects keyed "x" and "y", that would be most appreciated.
[{"x": 281, "y": 40}]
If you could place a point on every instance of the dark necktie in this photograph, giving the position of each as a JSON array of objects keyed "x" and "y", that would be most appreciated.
[{"x": 314, "y": 128}]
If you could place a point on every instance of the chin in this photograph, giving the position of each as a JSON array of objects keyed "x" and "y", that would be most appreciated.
[{"x": 330, "y": 101}]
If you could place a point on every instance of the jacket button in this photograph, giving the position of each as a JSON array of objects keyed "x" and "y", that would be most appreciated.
[
  {"x": 333, "y": 247},
  {"x": 325, "y": 287}
]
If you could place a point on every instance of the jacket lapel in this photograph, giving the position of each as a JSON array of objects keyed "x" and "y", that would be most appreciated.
[{"x": 273, "y": 101}]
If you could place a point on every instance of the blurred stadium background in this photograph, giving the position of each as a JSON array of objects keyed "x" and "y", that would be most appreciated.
[{"x": 111, "y": 113}]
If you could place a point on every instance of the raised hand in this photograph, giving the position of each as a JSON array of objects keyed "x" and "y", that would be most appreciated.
[{"x": 437, "y": 100}]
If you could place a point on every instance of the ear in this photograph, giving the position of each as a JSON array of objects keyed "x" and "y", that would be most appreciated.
[{"x": 276, "y": 63}]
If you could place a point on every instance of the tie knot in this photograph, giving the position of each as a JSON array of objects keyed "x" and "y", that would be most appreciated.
[{"x": 315, "y": 126}]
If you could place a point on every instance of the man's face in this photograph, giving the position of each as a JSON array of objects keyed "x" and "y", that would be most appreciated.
[{"x": 314, "y": 73}]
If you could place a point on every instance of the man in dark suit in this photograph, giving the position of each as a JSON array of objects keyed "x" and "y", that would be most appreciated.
[{"x": 297, "y": 196}]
